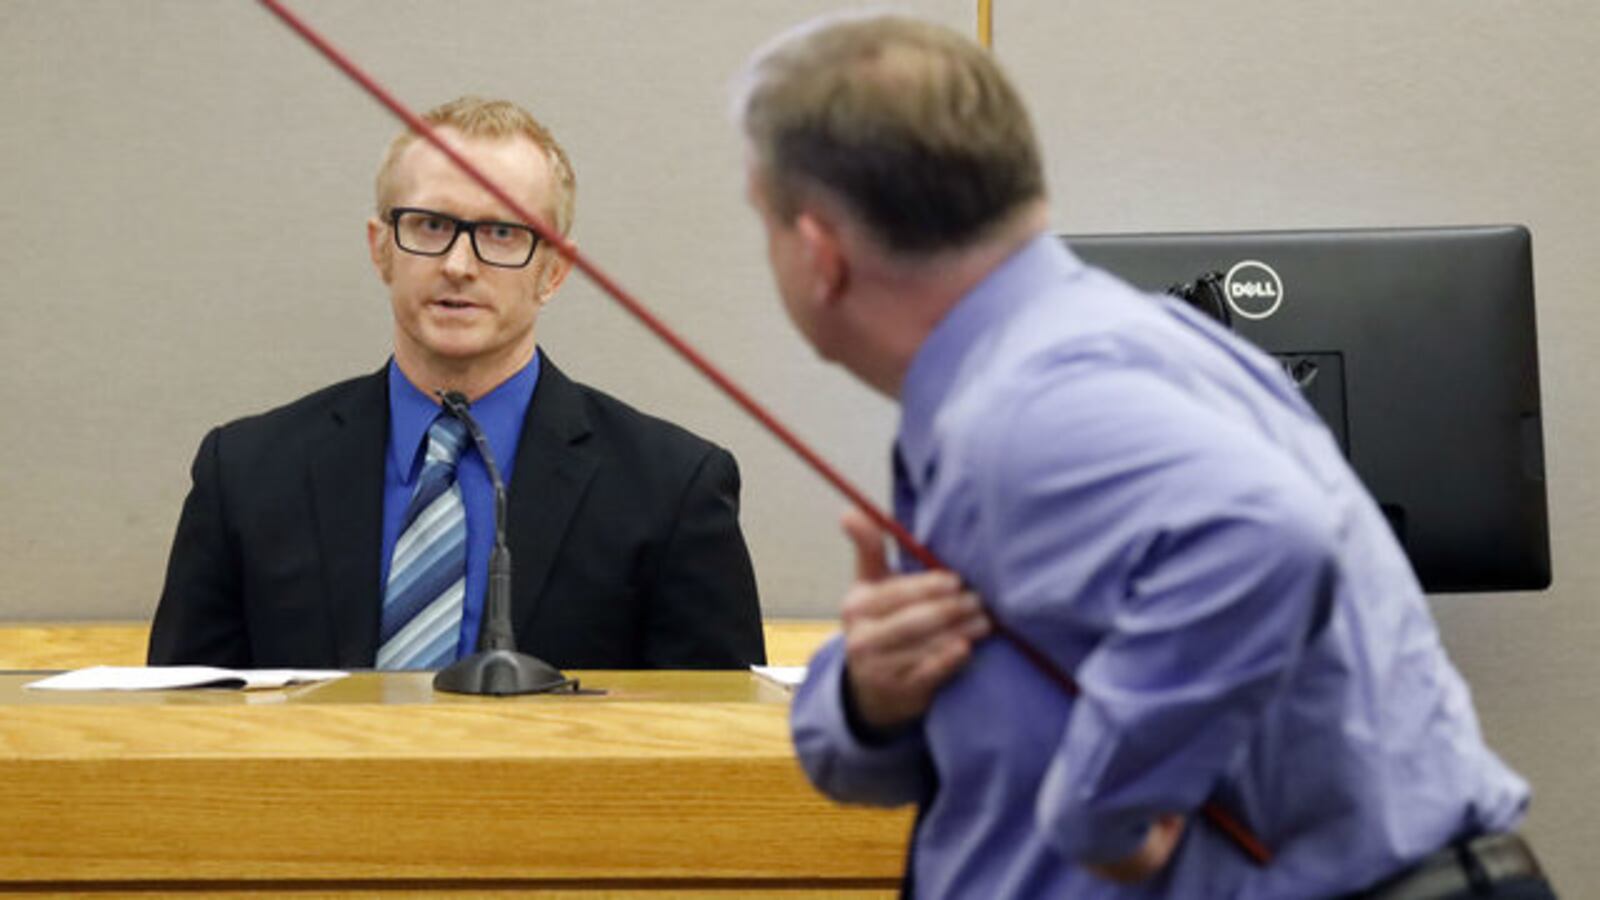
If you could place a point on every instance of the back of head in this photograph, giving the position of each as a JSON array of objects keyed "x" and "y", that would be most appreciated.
[
  {"x": 475, "y": 117},
  {"x": 911, "y": 125}
]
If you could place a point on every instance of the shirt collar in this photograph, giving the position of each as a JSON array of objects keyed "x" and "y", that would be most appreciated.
[
  {"x": 937, "y": 365},
  {"x": 499, "y": 413}
]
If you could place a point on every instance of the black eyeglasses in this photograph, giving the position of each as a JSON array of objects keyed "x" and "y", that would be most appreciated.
[{"x": 428, "y": 233}]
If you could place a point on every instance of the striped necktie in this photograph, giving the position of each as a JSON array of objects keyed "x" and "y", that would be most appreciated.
[{"x": 428, "y": 574}]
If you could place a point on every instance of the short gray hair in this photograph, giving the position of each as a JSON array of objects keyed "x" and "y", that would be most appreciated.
[{"x": 913, "y": 126}]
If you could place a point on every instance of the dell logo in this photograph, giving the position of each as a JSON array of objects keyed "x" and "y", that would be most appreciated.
[{"x": 1254, "y": 290}]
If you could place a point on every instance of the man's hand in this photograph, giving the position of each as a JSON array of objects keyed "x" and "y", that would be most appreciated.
[
  {"x": 1159, "y": 843},
  {"x": 904, "y": 635}
]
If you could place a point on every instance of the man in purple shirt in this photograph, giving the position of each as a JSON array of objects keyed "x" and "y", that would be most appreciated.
[{"x": 1143, "y": 496}]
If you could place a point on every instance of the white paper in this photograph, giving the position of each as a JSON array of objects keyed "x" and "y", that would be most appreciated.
[
  {"x": 787, "y": 676},
  {"x": 161, "y": 678}
]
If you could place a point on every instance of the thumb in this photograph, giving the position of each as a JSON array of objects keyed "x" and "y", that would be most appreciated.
[{"x": 872, "y": 563}]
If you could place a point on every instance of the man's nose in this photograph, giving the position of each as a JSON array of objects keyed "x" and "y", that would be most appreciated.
[{"x": 460, "y": 261}]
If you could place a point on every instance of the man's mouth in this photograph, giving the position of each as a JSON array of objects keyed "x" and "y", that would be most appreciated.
[{"x": 452, "y": 303}]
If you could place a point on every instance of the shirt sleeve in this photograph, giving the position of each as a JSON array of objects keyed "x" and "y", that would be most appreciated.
[
  {"x": 836, "y": 759},
  {"x": 1197, "y": 555}
]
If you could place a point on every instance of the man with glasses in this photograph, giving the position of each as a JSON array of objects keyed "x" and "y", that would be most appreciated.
[{"x": 352, "y": 527}]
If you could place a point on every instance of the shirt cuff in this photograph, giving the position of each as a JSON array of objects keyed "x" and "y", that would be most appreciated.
[{"x": 862, "y": 767}]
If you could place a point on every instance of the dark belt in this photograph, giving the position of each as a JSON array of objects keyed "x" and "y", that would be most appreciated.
[{"x": 1461, "y": 868}]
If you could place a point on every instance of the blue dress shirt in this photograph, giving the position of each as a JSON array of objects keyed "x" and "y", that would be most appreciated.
[
  {"x": 1148, "y": 500},
  {"x": 499, "y": 413}
]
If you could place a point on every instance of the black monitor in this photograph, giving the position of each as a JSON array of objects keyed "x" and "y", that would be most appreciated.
[{"x": 1417, "y": 347}]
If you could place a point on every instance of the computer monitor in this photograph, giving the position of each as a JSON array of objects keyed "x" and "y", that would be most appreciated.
[{"x": 1417, "y": 347}]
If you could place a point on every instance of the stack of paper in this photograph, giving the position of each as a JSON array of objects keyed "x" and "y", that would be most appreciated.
[
  {"x": 785, "y": 676},
  {"x": 161, "y": 678}
]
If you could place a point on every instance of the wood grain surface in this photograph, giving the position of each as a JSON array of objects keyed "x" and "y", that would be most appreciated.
[{"x": 667, "y": 784}]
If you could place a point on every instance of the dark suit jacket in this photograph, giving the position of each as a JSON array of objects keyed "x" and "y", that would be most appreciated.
[{"x": 623, "y": 530}]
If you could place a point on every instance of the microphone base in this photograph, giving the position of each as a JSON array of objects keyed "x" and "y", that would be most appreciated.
[{"x": 500, "y": 673}]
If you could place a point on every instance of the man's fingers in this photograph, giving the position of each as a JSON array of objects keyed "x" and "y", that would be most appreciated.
[
  {"x": 887, "y": 625},
  {"x": 977, "y": 625},
  {"x": 941, "y": 661},
  {"x": 1160, "y": 841},
  {"x": 934, "y": 651},
  {"x": 912, "y": 657},
  {"x": 872, "y": 560},
  {"x": 1170, "y": 828},
  {"x": 905, "y": 635},
  {"x": 892, "y": 689},
  {"x": 886, "y": 597}
]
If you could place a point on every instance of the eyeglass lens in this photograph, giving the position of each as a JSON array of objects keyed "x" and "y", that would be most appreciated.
[{"x": 432, "y": 234}]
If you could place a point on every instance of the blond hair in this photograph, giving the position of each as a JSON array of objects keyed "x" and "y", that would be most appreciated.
[
  {"x": 475, "y": 117},
  {"x": 912, "y": 126}
]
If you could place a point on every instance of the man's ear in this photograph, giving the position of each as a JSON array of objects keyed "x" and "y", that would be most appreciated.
[
  {"x": 824, "y": 255},
  {"x": 555, "y": 272},
  {"x": 380, "y": 248}
]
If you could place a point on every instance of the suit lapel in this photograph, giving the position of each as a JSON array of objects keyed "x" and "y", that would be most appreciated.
[
  {"x": 347, "y": 468},
  {"x": 553, "y": 469}
]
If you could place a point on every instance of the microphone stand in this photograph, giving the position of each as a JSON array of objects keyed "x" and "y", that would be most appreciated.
[{"x": 496, "y": 669}]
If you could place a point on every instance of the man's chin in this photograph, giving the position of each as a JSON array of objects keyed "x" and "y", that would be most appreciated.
[
  {"x": 462, "y": 356},
  {"x": 461, "y": 349},
  {"x": 463, "y": 352},
  {"x": 456, "y": 338},
  {"x": 456, "y": 349}
]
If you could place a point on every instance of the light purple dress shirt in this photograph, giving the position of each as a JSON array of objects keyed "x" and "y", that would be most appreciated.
[{"x": 1148, "y": 500}]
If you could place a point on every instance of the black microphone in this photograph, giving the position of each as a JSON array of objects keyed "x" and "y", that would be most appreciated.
[{"x": 496, "y": 669}]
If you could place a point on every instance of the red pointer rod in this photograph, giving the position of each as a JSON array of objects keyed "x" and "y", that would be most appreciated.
[{"x": 1224, "y": 822}]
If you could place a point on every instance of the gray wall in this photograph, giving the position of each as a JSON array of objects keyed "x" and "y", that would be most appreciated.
[{"x": 181, "y": 243}]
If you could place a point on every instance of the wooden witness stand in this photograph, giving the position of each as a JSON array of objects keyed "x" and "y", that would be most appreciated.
[{"x": 673, "y": 784}]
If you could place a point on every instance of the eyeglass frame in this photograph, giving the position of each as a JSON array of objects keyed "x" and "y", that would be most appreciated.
[{"x": 470, "y": 226}]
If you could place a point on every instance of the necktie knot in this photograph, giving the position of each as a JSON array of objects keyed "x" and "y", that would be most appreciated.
[{"x": 447, "y": 437}]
